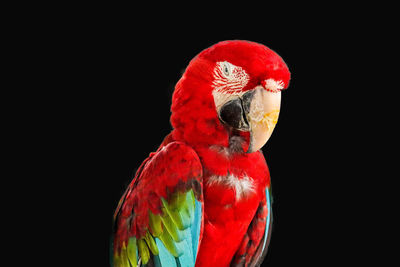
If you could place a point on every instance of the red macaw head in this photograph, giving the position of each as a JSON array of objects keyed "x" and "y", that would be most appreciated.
[{"x": 230, "y": 93}]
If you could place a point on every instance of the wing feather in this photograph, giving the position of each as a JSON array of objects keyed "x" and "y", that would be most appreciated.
[
  {"x": 254, "y": 245},
  {"x": 159, "y": 218}
]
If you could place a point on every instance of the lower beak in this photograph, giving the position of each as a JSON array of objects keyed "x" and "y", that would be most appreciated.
[{"x": 262, "y": 116}]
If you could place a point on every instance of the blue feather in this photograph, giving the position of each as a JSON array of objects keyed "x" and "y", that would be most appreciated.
[
  {"x": 186, "y": 259},
  {"x": 195, "y": 228},
  {"x": 166, "y": 259},
  {"x": 267, "y": 226},
  {"x": 189, "y": 244}
]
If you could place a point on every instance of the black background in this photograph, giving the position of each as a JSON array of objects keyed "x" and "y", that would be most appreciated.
[{"x": 115, "y": 74}]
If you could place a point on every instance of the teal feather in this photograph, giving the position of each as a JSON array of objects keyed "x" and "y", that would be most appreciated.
[
  {"x": 189, "y": 247},
  {"x": 156, "y": 261},
  {"x": 186, "y": 259},
  {"x": 267, "y": 226},
  {"x": 196, "y": 226},
  {"x": 166, "y": 259},
  {"x": 187, "y": 240}
]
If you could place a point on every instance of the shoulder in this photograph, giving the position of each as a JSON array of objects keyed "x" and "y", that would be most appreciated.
[{"x": 175, "y": 157}]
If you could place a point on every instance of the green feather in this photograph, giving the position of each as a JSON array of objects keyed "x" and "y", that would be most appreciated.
[
  {"x": 131, "y": 251},
  {"x": 185, "y": 216},
  {"x": 121, "y": 260},
  {"x": 170, "y": 245},
  {"x": 155, "y": 224},
  {"x": 191, "y": 205},
  {"x": 116, "y": 261},
  {"x": 151, "y": 243},
  {"x": 181, "y": 209},
  {"x": 185, "y": 208},
  {"x": 173, "y": 212},
  {"x": 170, "y": 225},
  {"x": 144, "y": 251}
]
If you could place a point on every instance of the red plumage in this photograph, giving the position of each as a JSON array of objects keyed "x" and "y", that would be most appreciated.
[
  {"x": 233, "y": 228},
  {"x": 176, "y": 167},
  {"x": 196, "y": 122}
]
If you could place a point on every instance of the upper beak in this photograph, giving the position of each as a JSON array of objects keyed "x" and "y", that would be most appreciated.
[
  {"x": 262, "y": 115},
  {"x": 255, "y": 111}
]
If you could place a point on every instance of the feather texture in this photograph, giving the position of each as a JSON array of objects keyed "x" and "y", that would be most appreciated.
[
  {"x": 164, "y": 219},
  {"x": 162, "y": 227},
  {"x": 254, "y": 244}
]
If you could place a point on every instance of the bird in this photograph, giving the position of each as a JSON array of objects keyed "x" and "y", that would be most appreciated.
[{"x": 203, "y": 198}]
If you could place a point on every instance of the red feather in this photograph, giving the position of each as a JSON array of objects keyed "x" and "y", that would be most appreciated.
[{"x": 174, "y": 167}]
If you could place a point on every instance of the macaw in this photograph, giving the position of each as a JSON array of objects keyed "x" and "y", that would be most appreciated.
[{"x": 204, "y": 197}]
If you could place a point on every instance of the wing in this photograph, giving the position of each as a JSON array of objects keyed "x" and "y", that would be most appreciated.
[
  {"x": 254, "y": 245},
  {"x": 159, "y": 219}
]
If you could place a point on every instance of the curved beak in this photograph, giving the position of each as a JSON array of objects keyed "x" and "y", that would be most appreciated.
[
  {"x": 255, "y": 111},
  {"x": 262, "y": 114}
]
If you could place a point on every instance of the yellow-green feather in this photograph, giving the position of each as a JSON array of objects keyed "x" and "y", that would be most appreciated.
[
  {"x": 192, "y": 197},
  {"x": 131, "y": 251},
  {"x": 184, "y": 210},
  {"x": 155, "y": 224},
  {"x": 151, "y": 243},
  {"x": 190, "y": 205},
  {"x": 170, "y": 244},
  {"x": 173, "y": 211},
  {"x": 116, "y": 261},
  {"x": 121, "y": 260},
  {"x": 170, "y": 225},
  {"x": 143, "y": 251},
  {"x": 180, "y": 208}
]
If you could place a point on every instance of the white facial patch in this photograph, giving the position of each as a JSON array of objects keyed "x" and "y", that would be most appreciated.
[
  {"x": 242, "y": 187},
  {"x": 229, "y": 80}
]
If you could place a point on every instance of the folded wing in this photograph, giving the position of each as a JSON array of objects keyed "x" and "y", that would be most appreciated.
[{"x": 159, "y": 219}]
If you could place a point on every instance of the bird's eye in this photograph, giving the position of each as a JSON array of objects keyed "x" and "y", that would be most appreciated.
[{"x": 226, "y": 69}]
